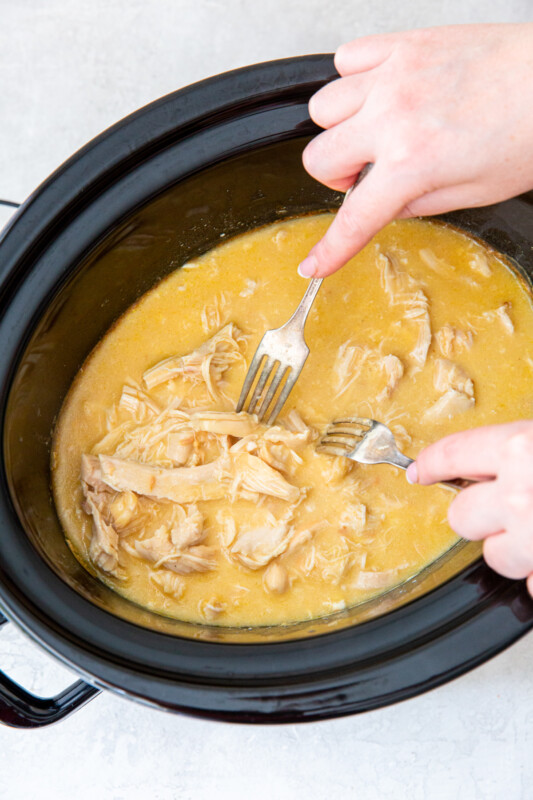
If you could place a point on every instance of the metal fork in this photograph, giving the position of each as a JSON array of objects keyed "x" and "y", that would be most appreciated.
[
  {"x": 285, "y": 352},
  {"x": 370, "y": 442}
]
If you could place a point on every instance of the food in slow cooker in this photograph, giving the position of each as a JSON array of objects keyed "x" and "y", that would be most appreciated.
[{"x": 197, "y": 512}]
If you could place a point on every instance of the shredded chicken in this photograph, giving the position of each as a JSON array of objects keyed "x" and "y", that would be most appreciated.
[
  {"x": 353, "y": 518},
  {"x": 256, "y": 547},
  {"x": 161, "y": 551},
  {"x": 276, "y": 578},
  {"x": 123, "y": 509},
  {"x": 452, "y": 341},
  {"x": 228, "y": 423},
  {"x": 215, "y": 314},
  {"x": 449, "y": 375},
  {"x": 205, "y": 365},
  {"x": 180, "y": 446},
  {"x": 502, "y": 315},
  {"x": 103, "y": 550},
  {"x": 349, "y": 362},
  {"x": 169, "y": 583},
  {"x": 242, "y": 474},
  {"x": 436, "y": 264},
  {"x": 189, "y": 529},
  {"x": 448, "y": 405},
  {"x": 375, "y": 580},
  {"x": 211, "y": 609},
  {"x": 402, "y": 289},
  {"x": 138, "y": 403},
  {"x": 394, "y": 370},
  {"x": 480, "y": 263}
]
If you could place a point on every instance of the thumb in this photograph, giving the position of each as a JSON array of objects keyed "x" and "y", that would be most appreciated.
[{"x": 377, "y": 200}]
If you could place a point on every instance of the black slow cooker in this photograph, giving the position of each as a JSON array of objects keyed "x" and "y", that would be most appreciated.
[{"x": 162, "y": 186}]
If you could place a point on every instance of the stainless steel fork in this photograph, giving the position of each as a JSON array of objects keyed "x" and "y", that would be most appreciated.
[
  {"x": 370, "y": 442},
  {"x": 284, "y": 353}
]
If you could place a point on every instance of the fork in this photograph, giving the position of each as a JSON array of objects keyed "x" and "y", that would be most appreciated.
[
  {"x": 370, "y": 442},
  {"x": 284, "y": 352}
]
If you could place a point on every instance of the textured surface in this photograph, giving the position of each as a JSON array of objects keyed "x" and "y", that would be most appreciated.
[{"x": 68, "y": 69}]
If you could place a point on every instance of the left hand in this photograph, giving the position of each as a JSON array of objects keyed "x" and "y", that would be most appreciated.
[{"x": 498, "y": 509}]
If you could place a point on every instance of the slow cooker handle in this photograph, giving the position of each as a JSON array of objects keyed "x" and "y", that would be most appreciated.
[{"x": 20, "y": 709}]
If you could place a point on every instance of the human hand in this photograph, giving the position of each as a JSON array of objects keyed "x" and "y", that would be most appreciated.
[
  {"x": 444, "y": 114},
  {"x": 499, "y": 509}
]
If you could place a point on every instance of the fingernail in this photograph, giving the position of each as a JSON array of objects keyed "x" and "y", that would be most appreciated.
[
  {"x": 412, "y": 473},
  {"x": 308, "y": 267}
]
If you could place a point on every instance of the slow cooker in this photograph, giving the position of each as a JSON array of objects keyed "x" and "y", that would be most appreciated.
[{"x": 160, "y": 187}]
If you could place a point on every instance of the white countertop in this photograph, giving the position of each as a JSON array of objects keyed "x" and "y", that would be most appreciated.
[{"x": 68, "y": 69}]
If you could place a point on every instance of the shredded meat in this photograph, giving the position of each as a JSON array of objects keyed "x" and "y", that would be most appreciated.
[
  {"x": 452, "y": 341},
  {"x": 205, "y": 365},
  {"x": 448, "y": 405},
  {"x": 402, "y": 289},
  {"x": 393, "y": 368},
  {"x": 103, "y": 550},
  {"x": 256, "y": 547},
  {"x": 449, "y": 375}
]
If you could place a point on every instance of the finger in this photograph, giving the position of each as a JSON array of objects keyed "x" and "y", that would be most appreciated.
[
  {"x": 474, "y": 452},
  {"x": 338, "y": 100},
  {"x": 364, "y": 54},
  {"x": 477, "y": 512},
  {"x": 337, "y": 153},
  {"x": 368, "y": 209},
  {"x": 503, "y": 556},
  {"x": 530, "y": 585}
]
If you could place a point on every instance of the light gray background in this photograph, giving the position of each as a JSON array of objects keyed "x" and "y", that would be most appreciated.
[{"x": 68, "y": 69}]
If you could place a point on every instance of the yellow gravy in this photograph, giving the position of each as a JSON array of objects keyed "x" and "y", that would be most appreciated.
[{"x": 425, "y": 329}]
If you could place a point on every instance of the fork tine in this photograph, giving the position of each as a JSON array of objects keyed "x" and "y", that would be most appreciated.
[
  {"x": 330, "y": 440},
  {"x": 260, "y": 385},
  {"x": 354, "y": 421},
  {"x": 285, "y": 392},
  {"x": 250, "y": 376},
  {"x": 272, "y": 389},
  {"x": 330, "y": 451},
  {"x": 338, "y": 430}
]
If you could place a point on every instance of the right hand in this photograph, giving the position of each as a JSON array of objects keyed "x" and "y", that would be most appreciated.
[{"x": 444, "y": 114}]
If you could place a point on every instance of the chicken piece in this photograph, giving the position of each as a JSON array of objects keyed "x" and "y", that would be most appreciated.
[
  {"x": 215, "y": 314},
  {"x": 181, "y": 485},
  {"x": 337, "y": 469},
  {"x": 180, "y": 446},
  {"x": 436, "y": 264},
  {"x": 276, "y": 579},
  {"x": 252, "y": 476},
  {"x": 228, "y": 423},
  {"x": 207, "y": 364},
  {"x": 123, "y": 509},
  {"x": 211, "y": 609},
  {"x": 190, "y": 528},
  {"x": 480, "y": 263},
  {"x": 335, "y": 566},
  {"x": 371, "y": 579},
  {"x": 250, "y": 286},
  {"x": 448, "y": 405},
  {"x": 169, "y": 583},
  {"x": 293, "y": 422},
  {"x": 91, "y": 474},
  {"x": 103, "y": 550},
  {"x": 294, "y": 440},
  {"x": 502, "y": 315},
  {"x": 394, "y": 370},
  {"x": 449, "y": 375},
  {"x": 256, "y": 547},
  {"x": 278, "y": 456},
  {"x": 242, "y": 474},
  {"x": 160, "y": 550},
  {"x": 138, "y": 403},
  {"x": 403, "y": 289},
  {"x": 349, "y": 362},
  {"x": 353, "y": 518},
  {"x": 452, "y": 341}
]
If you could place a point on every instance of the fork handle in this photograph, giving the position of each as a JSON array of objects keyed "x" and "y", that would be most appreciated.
[{"x": 458, "y": 483}]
